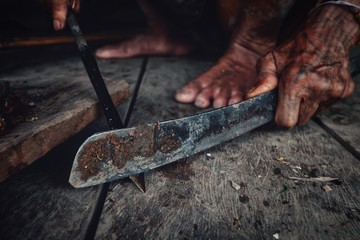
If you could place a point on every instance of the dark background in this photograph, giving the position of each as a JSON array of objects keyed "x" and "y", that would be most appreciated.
[{"x": 31, "y": 18}]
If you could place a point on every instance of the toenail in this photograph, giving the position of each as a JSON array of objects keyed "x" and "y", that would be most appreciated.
[
  {"x": 218, "y": 105},
  {"x": 183, "y": 92},
  {"x": 199, "y": 103}
]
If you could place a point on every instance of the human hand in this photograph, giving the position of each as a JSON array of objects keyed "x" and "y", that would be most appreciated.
[
  {"x": 312, "y": 68},
  {"x": 60, "y": 9}
]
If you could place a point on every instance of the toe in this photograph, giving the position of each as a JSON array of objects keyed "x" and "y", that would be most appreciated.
[
  {"x": 203, "y": 98},
  {"x": 102, "y": 53},
  {"x": 188, "y": 93},
  {"x": 202, "y": 102},
  {"x": 105, "y": 52},
  {"x": 236, "y": 97},
  {"x": 221, "y": 99}
]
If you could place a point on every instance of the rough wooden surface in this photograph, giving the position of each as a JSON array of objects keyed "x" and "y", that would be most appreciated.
[
  {"x": 238, "y": 190},
  {"x": 38, "y": 202},
  {"x": 197, "y": 197},
  {"x": 344, "y": 119},
  {"x": 63, "y": 104}
]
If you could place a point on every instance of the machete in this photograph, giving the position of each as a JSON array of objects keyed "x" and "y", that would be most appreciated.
[{"x": 113, "y": 155}]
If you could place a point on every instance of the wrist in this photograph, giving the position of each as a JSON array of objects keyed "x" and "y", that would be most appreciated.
[{"x": 338, "y": 22}]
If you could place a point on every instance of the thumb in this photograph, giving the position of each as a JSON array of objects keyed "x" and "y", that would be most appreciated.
[
  {"x": 267, "y": 77},
  {"x": 59, "y": 12}
]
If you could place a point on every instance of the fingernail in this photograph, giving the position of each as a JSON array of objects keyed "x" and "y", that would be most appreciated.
[
  {"x": 183, "y": 92},
  {"x": 73, "y": 5},
  {"x": 57, "y": 25}
]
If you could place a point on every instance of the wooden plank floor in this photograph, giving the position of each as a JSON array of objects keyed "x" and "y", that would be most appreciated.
[
  {"x": 196, "y": 197},
  {"x": 38, "y": 202}
]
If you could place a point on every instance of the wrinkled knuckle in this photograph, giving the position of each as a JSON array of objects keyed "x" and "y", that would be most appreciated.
[
  {"x": 293, "y": 94},
  {"x": 337, "y": 89},
  {"x": 351, "y": 87},
  {"x": 268, "y": 57},
  {"x": 315, "y": 88},
  {"x": 349, "y": 90}
]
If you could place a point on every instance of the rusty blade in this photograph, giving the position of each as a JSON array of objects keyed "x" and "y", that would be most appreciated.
[{"x": 117, "y": 154}]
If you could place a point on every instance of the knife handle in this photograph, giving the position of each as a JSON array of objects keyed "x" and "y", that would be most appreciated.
[{"x": 88, "y": 59}]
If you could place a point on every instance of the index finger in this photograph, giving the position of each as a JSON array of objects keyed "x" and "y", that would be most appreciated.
[{"x": 287, "y": 112}]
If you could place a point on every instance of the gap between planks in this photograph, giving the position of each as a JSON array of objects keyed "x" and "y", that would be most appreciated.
[
  {"x": 338, "y": 138},
  {"x": 104, "y": 188}
]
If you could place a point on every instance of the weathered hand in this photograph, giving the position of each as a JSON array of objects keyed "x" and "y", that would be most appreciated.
[
  {"x": 59, "y": 11},
  {"x": 312, "y": 69}
]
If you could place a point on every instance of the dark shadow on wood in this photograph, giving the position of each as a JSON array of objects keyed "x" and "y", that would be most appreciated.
[
  {"x": 346, "y": 145},
  {"x": 93, "y": 223}
]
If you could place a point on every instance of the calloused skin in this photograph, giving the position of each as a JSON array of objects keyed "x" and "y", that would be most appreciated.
[
  {"x": 311, "y": 69},
  {"x": 229, "y": 80}
]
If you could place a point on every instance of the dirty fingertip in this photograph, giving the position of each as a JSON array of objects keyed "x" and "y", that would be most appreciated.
[{"x": 286, "y": 121}]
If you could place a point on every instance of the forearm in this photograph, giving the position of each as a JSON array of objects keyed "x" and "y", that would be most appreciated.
[
  {"x": 261, "y": 20},
  {"x": 338, "y": 20}
]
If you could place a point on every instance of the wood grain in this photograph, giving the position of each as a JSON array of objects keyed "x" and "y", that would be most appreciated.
[
  {"x": 194, "y": 198},
  {"x": 64, "y": 106},
  {"x": 38, "y": 202},
  {"x": 344, "y": 118}
]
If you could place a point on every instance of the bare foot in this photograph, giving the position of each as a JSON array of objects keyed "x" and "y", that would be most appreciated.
[
  {"x": 225, "y": 83},
  {"x": 145, "y": 44},
  {"x": 234, "y": 74}
]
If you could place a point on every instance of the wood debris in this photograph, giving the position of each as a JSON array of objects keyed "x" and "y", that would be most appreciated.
[
  {"x": 327, "y": 188},
  {"x": 235, "y": 185},
  {"x": 280, "y": 159},
  {"x": 276, "y": 236},
  {"x": 315, "y": 179}
]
